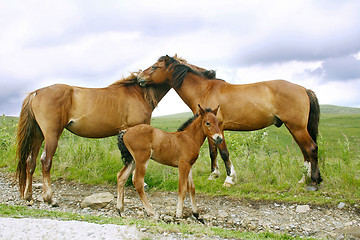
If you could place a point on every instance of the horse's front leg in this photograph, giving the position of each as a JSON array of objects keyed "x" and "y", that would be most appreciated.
[
  {"x": 191, "y": 190},
  {"x": 215, "y": 173},
  {"x": 184, "y": 169},
  {"x": 230, "y": 171}
]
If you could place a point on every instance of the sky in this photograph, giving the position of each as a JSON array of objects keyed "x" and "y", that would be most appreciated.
[{"x": 90, "y": 43}]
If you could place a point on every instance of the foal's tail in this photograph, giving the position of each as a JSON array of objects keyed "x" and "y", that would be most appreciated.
[
  {"x": 125, "y": 154},
  {"x": 24, "y": 139},
  {"x": 314, "y": 115}
]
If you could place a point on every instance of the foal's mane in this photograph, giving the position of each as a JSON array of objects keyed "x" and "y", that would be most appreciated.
[
  {"x": 190, "y": 121},
  {"x": 148, "y": 92},
  {"x": 181, "y": 68}
]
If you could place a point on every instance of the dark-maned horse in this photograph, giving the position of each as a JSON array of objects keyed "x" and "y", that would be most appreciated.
[
  {"x": 86, "y": 112},
  {"x": 177, "y": 149},
  {"x": 246, "y": 107}
]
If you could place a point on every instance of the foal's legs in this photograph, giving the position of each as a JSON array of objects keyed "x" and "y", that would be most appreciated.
[
  {"x": 31, "y": 164},
  {"x": 184, "y": 169},
  {"x": 122, "y": 177},
  {"x": 191, "y": 190},
  {"x": 141, "y": 162}
]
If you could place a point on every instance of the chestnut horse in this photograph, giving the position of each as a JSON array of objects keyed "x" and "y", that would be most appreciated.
[
  {"x": 246, "y": 107},
  {"x": 177, "y": 149},
  {"x": 86, "y": 112}
]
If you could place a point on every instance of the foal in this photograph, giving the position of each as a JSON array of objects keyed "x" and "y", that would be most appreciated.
[{"x": 177, "y": 149}]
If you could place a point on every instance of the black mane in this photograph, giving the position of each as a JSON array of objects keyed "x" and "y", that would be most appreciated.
[
  {"x": 190, "y": 121},
  {"x": 180, "y": 70}
]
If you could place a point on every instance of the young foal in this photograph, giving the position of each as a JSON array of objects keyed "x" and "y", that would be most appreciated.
[{"x": 178, "y": 149}]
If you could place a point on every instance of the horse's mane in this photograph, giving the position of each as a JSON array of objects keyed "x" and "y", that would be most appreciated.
[
  {"x": 190, "y": 121},
  {"x": 148, "y": 92},
  {"x": 181, "y": 68}
]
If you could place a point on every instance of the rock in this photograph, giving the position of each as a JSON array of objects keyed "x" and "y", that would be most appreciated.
[
  {"x": 341, "y": 205},
  {"x": 97, "y": 201},
  {"x": 352, "y": 230},
  {"x": 302, "y": 208},
  {"x": 223, "y": 215},
  {"x": 168, "y": 219}
]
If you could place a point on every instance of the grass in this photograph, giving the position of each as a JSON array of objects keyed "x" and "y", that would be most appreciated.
[
  {"x": 154, "y": 227},
  {"x": 268, "y": 162}
]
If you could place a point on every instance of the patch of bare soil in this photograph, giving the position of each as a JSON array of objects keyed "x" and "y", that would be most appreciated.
[{"x": 222, "y": 211}]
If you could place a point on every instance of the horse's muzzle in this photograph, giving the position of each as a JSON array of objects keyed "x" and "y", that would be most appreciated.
[{"x": 218, "y": 139}]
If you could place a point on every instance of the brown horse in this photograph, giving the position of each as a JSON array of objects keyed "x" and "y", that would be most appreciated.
[
  {"x": 246, "y": 107},
  {"x": 178, "y": 149},
  {"x": 86, "y": 112}
]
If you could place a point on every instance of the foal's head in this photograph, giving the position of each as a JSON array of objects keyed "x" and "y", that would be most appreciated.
[
  {"x": 210, "y": 124},
  {"x": 171, "y": 71}
]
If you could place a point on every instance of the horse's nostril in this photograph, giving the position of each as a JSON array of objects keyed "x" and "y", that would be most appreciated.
[{"x": 218, "y": 140}]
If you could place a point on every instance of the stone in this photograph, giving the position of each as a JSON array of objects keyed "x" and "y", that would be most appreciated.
[
  {"x": 341, "y": 205},
  {"x": 302, "y": 208},
  {"x": 97, "y": 201}
]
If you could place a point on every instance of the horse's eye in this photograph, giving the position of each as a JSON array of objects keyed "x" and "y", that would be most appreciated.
[
  {"x": 207, "y": 124},
  {"x": 154, "y": 67}
]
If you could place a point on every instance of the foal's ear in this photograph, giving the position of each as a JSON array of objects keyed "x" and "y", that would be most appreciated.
[
  {"x": 201, "y": 111},
  {"x": 215, "y": 110}
]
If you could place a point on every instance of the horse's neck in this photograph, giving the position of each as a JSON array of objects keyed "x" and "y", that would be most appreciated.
[
  {"x": 159, "y": 92},
  {"x": 196, "y": 132},
  {"x": 193, "y": 90}
]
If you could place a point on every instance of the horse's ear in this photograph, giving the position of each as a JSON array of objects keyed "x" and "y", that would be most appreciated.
[
  {"x": 201, "y": 111},
  {"x": 167, "y": 59},
  {"x": 215, "y": 110}
]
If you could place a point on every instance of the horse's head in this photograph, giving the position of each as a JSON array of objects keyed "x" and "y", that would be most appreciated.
[
  {"x": 171, "y": 71},
  {"x": 157, "y": 73},
  {"x": 210, "y": 124}
]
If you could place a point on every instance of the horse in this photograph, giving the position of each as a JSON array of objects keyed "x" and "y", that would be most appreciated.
[
  {"x": 86, "y": 112},
  {"x": 246, "y": 107},
  {"x": 179, "y": 149}
]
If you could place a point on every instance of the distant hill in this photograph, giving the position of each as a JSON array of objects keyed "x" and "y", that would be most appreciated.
[
  {"x": 323, "y": 109},
  {"x": 338, "y": 109}
]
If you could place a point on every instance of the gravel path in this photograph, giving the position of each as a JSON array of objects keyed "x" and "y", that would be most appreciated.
[
  {"x": 27, "y": 228},
  {"x": 342, "y": 222}
]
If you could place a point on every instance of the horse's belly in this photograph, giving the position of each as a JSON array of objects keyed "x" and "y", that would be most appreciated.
[{"x": 94, "y": 129}]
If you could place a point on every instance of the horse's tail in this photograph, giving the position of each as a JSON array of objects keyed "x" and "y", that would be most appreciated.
[
  {"x": 125, "y": 154},
  {"x": 314, "y": 115},
  {"x": 24, "y": 138}
]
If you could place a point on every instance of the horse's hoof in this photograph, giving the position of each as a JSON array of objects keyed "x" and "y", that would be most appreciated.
[
  {"x": 119, "y": 212},
  {"x": 54, "y": 203},
  {"x": 29, "y": 203},
  {"x": 213, "y": 176},
  {"x": 311, "y": 188},
  {"x": 228, "y": 184}
]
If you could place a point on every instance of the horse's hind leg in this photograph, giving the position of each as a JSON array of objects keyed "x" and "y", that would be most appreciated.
[
  {"x": 310, "y": 151},
  {"x": 46, "y": 162},
  {"x": 191, "y": 190},
  {"x": 31, "y": 165},
  {"x": 122, "y": 177}
]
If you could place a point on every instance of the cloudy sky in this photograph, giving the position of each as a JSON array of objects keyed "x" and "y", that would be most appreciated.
[{"x": 93, "y": 43}]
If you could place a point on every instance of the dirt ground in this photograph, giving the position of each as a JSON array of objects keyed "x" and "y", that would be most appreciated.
[{"x": 338, "y": 222}]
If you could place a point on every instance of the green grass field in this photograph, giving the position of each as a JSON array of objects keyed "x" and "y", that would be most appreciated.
[{"x": 268, "y": 162}]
